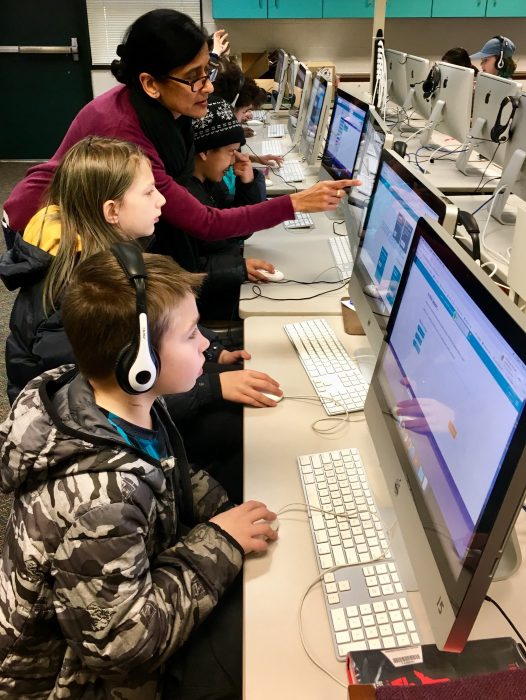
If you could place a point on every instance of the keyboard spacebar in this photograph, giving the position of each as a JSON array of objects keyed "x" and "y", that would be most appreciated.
[{"x": 318, "y": 522}]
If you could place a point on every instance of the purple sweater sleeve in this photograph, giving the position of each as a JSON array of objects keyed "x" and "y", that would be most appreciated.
[{"x": 112, "y": 115}]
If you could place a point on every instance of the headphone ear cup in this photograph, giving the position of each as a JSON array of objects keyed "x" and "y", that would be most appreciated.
[
  {"x": 431, "y": 83},
  {"x": 135, "y": 378}
]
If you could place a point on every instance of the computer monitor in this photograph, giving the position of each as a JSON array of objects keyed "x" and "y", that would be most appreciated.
[
  {"x": 400, "y": 197},
  {"x": 343, "y": 138},
  {"x": 300, "y": 103},
  {"x": 451, "y": 102},
  {"x": 291, "y": 76},
  {"x": 513, "y": 177},
  {"x": 491, "y": 106},
  {"x": 374, "y": 139},
  {"x": 446, "y": 408},
  {"x": 397, "y": 86},
  {"x": 416, "y": 71},
  {"x": 316, "y": 119},
  {"x": 280, "y": 78}
]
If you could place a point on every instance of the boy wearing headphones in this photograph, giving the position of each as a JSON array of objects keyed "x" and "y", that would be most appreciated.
[
  {"x": 116, "y": 550},
  {"x": 496, "y": 57}
]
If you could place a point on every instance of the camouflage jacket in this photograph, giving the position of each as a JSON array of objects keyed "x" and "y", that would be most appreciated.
[{"x": 108, "y": 561}]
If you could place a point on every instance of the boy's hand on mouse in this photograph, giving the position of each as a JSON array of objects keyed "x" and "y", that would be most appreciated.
[
  {"x": 230, "y": 357},
  {"x": 243, "y": 167},
  {"x": 322, "y": 196},
  {"x": 246, "y": 524},
  {"x": 246, "y": 386},
  {"x": 270, "y": 160},
  {"x": 253, "y": 265}
]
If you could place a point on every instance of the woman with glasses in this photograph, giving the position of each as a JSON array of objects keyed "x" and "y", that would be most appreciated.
[{"x": 166, "y": 80}]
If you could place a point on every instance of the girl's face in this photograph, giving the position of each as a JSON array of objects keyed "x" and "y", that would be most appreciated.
[
  {"x": 136, "y": 214},
  {"x": 489, "y": 65},
  {"x": 180, "y": 98}
]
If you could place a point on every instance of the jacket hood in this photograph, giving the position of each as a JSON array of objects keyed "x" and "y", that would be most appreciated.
[
  {"x": 23, "y": 265},
  {"x": 56, "y": 429}
]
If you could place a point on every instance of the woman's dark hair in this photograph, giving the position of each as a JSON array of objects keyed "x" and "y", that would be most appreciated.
[
  {"x": 459, "y": 57},
  {"x": 156, "y": 43},
  {"x": 251, "y": 94}
]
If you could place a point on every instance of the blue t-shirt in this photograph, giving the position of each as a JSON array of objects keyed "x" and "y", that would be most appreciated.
[{"x": 154, "y": 443}]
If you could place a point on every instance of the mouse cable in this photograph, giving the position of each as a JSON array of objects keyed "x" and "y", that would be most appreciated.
[
  {"x": 256, "y": 290},
  {"x": 311, "y": 586},
  {"x": 339, "y": 420},
  {"x": 338, "y": 223},
  {"x": 519, "y": 635},
  {"x": 484, "y": 233}
]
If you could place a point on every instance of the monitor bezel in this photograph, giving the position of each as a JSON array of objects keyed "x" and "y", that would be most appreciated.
[
  {"x": 452, "y": 618},
  {"x": 327, "y": 160}
]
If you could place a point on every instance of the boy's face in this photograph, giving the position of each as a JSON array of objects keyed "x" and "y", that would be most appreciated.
[
  {"x": 181, "y": 350},
  {"x": 488, "y": 64},
  {"x": 218, "y": 161},
  {"x": 139, "y": 209}
]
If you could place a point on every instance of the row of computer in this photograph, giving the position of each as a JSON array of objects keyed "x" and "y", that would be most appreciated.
[{"x": 451, "y": 362}]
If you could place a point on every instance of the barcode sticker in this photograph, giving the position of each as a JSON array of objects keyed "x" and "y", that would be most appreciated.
[{"x": 405, "y": 656}]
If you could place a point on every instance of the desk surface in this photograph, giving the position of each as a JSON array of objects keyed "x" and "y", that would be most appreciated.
[
  {"x": 275, "y": 664},
  {"x": 302, "y": 255}
]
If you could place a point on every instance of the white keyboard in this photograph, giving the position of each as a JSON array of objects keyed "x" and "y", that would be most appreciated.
[
  {"x": 334, "y": 376},
  {"x": 341, "y": 254},
  {"x": 300, "y": 220},
  {"x": 272, "y": 148},
  {"x": 291, "y": 171},
  {"x": 366, "y": 601},
  {"x": 260, "y": 114},
  {"x": 275, "y": 131}
]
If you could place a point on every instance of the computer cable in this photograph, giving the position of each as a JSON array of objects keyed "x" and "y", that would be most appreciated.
[
  {"x": 479, "y": 185},
  {"x": 334, "y": 224},
  {"x": 256, "y": 290},
  {"x": 519, "y": 635}
]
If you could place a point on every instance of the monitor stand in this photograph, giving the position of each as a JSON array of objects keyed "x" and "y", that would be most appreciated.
[
  {"x": 467, "y": 147},
  {"x": 434, "y": 119},
  {"x": 510, "y": 175}
]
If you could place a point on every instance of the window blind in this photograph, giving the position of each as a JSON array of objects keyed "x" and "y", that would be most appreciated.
[{"x": 109, "y": 19}]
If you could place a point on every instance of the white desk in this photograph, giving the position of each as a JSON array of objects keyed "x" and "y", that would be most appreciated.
[
  {"x": 301, "y": 254},
  {"x": 275, "y": 664}
]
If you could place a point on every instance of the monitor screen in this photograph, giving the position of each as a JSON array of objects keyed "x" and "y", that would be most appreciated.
[
  {"x": 452, "y": 377},
  {"x": 399, "y": 199},
  {"x": 343, "y": 139}
]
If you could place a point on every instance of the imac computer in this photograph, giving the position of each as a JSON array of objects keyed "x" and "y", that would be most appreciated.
[
  {"x": 374, "y": 139},
  {"x": 280, "y": 78},
  {"x": 316, "y": 119},
  {"x": 299, "y": 103},
  {"x": 451, "y": 99},
  {"x": 513, "y": 177},
  {"x": 347, "y": 123},
  {"x": 446, "y": 408},
  {"x": 400, "y": 197},
  {"x": 397, "y": 87},
  {"x": 492, "y": 107},
  {"x": 416, "y": 71}
]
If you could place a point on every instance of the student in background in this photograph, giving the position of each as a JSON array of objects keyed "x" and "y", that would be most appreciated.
[
  {"x": 117, "y": 552},
  {"x": 218, "y": 137},
  {"x": 496, "y": 57},
  {"x": 166, "y": 76},
  {"x": 458, "y": 56}
]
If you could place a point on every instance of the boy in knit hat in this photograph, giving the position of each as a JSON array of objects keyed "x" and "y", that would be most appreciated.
[{"x": 218, "y": 136}]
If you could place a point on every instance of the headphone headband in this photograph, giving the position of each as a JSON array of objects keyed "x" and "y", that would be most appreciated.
[{"x": 137, "y": 364}]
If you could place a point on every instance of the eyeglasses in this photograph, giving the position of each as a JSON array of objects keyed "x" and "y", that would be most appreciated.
[{"x": 199, "y": 83}]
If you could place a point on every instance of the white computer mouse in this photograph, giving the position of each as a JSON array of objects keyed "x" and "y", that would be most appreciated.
[
  {"x": 275, "y": 276},
  {"x": 273, "y": 397}
]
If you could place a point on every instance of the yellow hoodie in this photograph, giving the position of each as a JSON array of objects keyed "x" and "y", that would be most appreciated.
[{"x": 43, "y": 230}]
